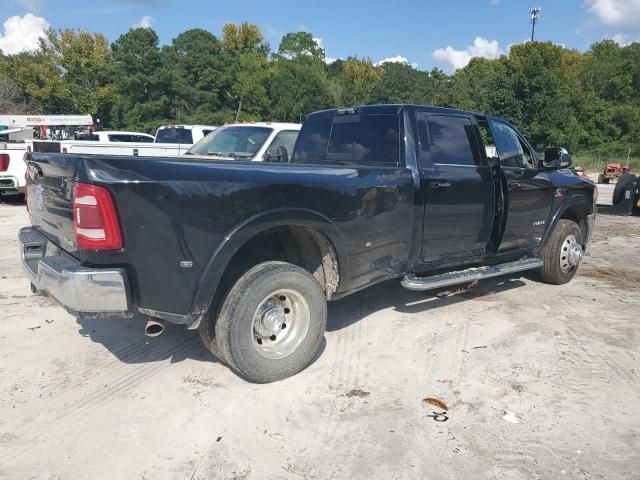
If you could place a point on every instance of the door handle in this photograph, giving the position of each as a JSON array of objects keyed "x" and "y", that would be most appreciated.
[
  {"x": 515, "y": 186},
  {"x": 441, "y": 184}
]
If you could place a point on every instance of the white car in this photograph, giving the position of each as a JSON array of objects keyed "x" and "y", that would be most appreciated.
[{"x": 259, "y": 141}]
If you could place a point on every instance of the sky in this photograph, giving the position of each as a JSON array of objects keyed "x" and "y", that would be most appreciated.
[{"x": 424, "y": 33}]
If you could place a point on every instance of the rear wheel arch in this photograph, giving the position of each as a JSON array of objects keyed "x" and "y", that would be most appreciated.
[{"x": 304, "y": 228}]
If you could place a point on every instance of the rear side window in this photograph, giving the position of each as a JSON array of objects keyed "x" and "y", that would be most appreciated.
[
  {"x": 451, "y": 140},
  {"x": 174, "y": 135},
  {"x": 365, "y": 139},
  {"x": 359, "y": 139},
  {"x": 121, "y": 138}
]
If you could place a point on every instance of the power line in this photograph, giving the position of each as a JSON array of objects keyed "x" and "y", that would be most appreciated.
[{"x": 534, "y": 14}]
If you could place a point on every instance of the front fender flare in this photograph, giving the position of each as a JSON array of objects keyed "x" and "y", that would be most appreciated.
[
  {"x": 558, "y": 212},
  {"x": 243, "y": 232}
]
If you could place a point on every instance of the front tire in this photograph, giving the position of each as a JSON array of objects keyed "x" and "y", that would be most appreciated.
[
  {"x": 271, "y": 323},
  {"x": 562, "y": 253}
]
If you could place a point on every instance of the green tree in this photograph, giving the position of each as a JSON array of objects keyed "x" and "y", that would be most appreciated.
[
  {"x": 68, "y": 73},
  {"x": 249, "y": 90},
  {"x": 295, "y": 45},
  {"x": 357, "y": 80},
  {"x": 201, "y": 74},
  {"x": 298, "y": 87},
  {"x": 245, "y": 38},
  {"x": 141, "y": 80}
]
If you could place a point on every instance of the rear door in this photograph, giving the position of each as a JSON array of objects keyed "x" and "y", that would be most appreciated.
[
  {"x": 529, "y": 191},
  {"x": 457, "y": 188}
]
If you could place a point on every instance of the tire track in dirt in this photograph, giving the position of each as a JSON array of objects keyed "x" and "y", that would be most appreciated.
[{"x": 49, "y": 428}]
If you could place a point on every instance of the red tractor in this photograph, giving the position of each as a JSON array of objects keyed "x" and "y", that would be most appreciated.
[{"x": 612, "y": 171}]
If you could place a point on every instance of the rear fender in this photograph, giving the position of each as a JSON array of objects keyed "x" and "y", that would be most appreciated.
[{"x": 244, "y": 232}]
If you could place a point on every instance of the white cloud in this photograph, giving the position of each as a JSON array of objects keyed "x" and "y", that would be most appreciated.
[
  {"x": 623, "y": 39},
  {"x": 459, "y": 58},
  {"x": 22, "y": 34},
  {"x": 396, "y": 59},
  {"x": 623, "y": 14},
  {"x": 318, "y": 40},
  {"x": 494, "y": 2},
  {"x": 145, "y": 22}
]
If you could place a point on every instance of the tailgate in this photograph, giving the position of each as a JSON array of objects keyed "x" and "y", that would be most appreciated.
[{"x": 49, "y": 188}]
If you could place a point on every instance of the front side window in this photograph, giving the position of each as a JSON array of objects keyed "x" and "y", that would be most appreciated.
[
  {"x": 286, "y": 139},
  {"x": 512, "y": 150},
  {"x": 142, "y": 139},
  {"x": 233, "y": 141}
]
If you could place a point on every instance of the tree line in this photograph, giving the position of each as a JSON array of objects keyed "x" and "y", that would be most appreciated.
[{"x": 587, "y": 102}]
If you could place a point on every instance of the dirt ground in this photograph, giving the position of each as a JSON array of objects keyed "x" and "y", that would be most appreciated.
[{"x": 539, "y": 382}]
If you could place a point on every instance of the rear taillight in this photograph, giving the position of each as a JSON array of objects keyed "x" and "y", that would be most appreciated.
[
  {"x": 95, "y": 219},
  {"x": 4, "y": 162}
]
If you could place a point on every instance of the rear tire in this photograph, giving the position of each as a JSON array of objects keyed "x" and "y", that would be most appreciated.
[
  {"x": 559, "y": 253},
  {"x": 621, "y": 184},
  {"x": 271, "y": 323}
]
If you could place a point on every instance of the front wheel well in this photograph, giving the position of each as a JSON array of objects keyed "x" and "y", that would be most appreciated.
[{"x": 577, "y": 213}]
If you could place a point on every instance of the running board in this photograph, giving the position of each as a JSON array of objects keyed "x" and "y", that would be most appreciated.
[{"x": 413, "y": 282}]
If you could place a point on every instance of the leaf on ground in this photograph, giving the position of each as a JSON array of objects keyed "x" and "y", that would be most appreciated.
[{"x": 436, "y": 403}]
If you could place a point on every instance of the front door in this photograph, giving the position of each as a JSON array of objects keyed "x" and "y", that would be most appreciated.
[
  {"x": 457, "y": 189},
  {"x": 529, "y": 191}
]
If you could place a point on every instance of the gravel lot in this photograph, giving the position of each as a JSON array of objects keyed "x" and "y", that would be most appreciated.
[{"x": 540, "y": 382}]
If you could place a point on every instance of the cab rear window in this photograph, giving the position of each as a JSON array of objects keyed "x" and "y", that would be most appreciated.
[{"x": 174, "y": 135}]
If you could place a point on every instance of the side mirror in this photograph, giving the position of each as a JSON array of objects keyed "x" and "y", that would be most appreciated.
[
  {"x": 556, "y": 157},
  {"x": 281, "y": 155}
]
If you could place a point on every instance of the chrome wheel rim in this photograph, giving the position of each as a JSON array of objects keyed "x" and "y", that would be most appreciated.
[
  {"x": 570, "y": 254},
  {"x": 280, "y": 323}
]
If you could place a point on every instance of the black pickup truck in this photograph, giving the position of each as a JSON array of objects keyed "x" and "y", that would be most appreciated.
[{"x": 249, "y": 253}]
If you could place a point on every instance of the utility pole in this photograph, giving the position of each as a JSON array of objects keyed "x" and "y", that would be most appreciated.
[{"x": 534, "y": 13}]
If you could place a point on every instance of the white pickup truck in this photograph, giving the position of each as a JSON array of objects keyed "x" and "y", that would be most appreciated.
[
  {"x": 255, "y": 141},
  {"x": 249, "y": 141}
]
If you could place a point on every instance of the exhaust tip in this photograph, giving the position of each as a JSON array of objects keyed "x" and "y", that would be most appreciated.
[{"x": 154, "y": 327}]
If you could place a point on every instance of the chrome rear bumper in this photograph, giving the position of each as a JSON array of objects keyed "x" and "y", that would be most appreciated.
[{"x": 78, "y": 288}]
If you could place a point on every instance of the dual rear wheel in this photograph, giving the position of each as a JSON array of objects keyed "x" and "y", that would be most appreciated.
[{"x": 271, "y": 323}]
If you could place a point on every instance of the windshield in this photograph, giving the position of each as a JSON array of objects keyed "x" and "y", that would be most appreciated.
[
  {"x": 232, "y": 141},
  {"x": 174, "y": 135}
]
